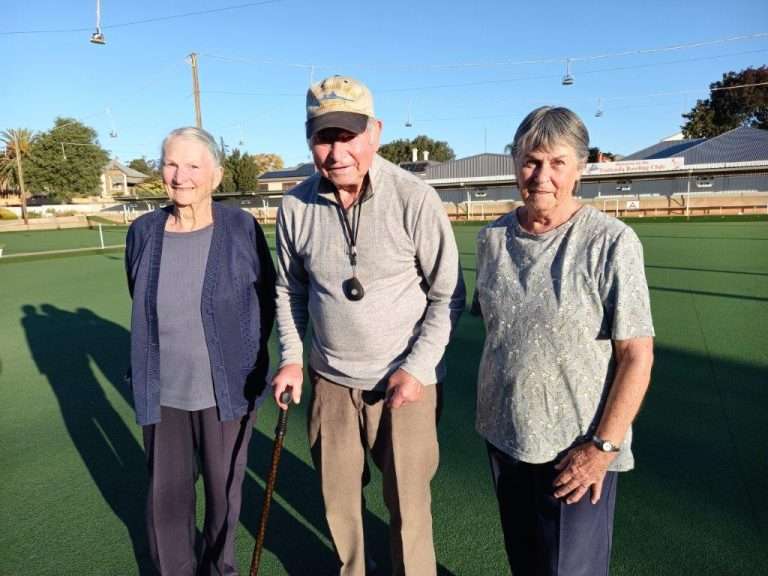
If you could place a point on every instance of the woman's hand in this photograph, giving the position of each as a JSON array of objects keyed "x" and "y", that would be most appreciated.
[{"x": 583, "y": 468}]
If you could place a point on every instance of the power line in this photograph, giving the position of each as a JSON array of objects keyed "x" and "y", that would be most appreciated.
[
  {"x": 145, "y": 20},
  {"x": 499, "y": 63},
  {"x": 548, "y": 76},
  {"x": 603, "y": 100},
  {"x": 262, "y": 93},
  {"x": 265, "y": 62},
  {"x": 508, "y": 80},
  {"x": 683, "y": 61}
]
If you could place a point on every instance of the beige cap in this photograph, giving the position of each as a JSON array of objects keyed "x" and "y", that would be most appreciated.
[{"x": 338, "y": 102}]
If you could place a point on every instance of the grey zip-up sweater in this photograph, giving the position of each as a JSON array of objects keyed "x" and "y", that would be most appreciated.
[{"x": 407, "y": 262}]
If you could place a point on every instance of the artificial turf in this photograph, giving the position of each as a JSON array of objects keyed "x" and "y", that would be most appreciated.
[
  {"x": 66, "y": 239},
  {"x": 72, "y": 490}
]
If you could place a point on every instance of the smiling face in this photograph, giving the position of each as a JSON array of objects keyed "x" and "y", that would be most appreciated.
[
  {"x": 547, "y": 179},
  {"x": 344, "y": 157},
  {"x": 190, "y": 174}
]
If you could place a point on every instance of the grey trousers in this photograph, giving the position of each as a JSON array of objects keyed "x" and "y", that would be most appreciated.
[
  {"x": 344, "y": 424},
  {"x": 543, "y": 535},
  {"x": 178, "y": 449}
]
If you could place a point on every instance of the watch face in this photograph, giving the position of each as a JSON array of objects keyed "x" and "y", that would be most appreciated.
[{"x": 607, "y": 447}]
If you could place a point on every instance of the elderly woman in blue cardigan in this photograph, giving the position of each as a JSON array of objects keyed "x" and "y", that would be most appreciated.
[{"x": 202, "y": 282}]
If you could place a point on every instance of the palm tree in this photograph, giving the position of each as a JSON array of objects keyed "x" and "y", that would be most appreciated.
[{"x": 18, "y": 143}]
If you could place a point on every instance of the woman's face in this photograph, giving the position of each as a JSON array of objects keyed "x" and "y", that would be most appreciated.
[
  {"x": 547, "y": 178},
  {"x": 190, "y": 174}
]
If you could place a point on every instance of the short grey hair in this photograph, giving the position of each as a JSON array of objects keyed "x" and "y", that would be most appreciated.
[
  {"x": 202, "y": 136},
  {"x": 549, "y": 126}
]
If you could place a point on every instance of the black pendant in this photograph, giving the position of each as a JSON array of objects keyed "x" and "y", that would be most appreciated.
[{"x": 353, "y": 290}]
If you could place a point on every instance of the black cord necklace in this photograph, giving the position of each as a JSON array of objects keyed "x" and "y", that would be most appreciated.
[{"x": 352, "y": 287}]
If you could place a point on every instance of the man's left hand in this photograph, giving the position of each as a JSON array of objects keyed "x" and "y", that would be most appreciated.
[
  {"x": 403, "y": 389},
  {"x": 583, "y": 468}
]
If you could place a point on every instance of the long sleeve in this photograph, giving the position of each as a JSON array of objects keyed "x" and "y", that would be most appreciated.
[
  {"x": 438, "y": 258},
  {"x": 292, "y": 293}
]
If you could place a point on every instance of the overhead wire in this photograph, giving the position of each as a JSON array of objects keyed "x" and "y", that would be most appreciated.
[
  {"x": 144, "y": 20},
  {"x": 466, "y": 65},
  {"x": 500, "y": 81},
  {"x": 603, "y": 100},
  {"x": 498, "y": 63}
]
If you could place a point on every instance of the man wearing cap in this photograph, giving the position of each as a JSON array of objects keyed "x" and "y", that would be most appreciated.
[{"x": 366, "y": 253}]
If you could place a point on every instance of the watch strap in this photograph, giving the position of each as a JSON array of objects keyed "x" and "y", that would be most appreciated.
[{"x": 604, "y": 445}]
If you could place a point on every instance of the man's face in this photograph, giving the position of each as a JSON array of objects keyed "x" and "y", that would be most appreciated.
[{"x": 344, "y": 157}]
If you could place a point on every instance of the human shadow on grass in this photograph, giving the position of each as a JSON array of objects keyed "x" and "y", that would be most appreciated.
[
  {"x": 665, "y": 237},
  {"x": 699, "y": 478},
  {"x": 299, "y": 548},
  {"x": 687, "y": 269},
  {"x": 63, "y": 345},
  {"x": 700, "y": 475},
  {"x": 707, "y": 293}
]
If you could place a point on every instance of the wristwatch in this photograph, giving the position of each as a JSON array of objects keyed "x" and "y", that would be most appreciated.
[{"x": 604, "y": 445}]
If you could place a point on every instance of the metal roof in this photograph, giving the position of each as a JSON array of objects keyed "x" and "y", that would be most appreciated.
[
  {"x": 300, "y": 171},
  {"x": 738, "y": 145},
  {"x": 479, "y": 165},
  {"x": 741, "y": 144},
  {"x": 664, "y": 149}
]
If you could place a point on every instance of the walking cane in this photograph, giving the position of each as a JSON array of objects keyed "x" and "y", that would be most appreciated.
[{"x": 282, "y": 424}]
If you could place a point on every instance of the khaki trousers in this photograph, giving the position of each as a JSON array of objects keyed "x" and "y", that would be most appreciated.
[{"x": 344, "y": 423}]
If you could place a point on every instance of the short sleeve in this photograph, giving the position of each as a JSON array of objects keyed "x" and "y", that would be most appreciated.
[{"x": 624, "y": 290}]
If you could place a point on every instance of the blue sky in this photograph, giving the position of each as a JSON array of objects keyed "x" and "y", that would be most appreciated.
[{"x": 465, "y": 72}]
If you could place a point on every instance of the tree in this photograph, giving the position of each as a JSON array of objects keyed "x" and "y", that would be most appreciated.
[
  {"x": 399, "y": 151},
  {"x": 597, "y": 155},
  {"x": 729, "y": 107},
  {"x": 243, "y": 172},
  {"x": 152, "y": 187},
  {"x": 594, "y": 155},
  {"x": 227, "y": 185},
  {"x": 67, "y": 161},
  {"x": 148, "y": 167},
  {"x": 18, "y": 143},
  {"x": 266, "y": 162}
]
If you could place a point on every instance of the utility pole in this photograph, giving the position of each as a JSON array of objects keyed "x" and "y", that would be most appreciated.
[
  {"x": 196, "y": 90},
  {"x": 20, "y": 172}
]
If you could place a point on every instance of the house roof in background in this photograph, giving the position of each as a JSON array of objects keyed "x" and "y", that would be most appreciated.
[
  {"x": 130, "y": 172},
  {"x": 479, "y": 165},
  {"x": 741, "y": 144},
  {"x": 299, "y": 171}
]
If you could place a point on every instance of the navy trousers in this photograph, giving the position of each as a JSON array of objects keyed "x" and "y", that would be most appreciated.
[
  {"x": 178, "y": 449},
  {"x": 543, "y": 535}
]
